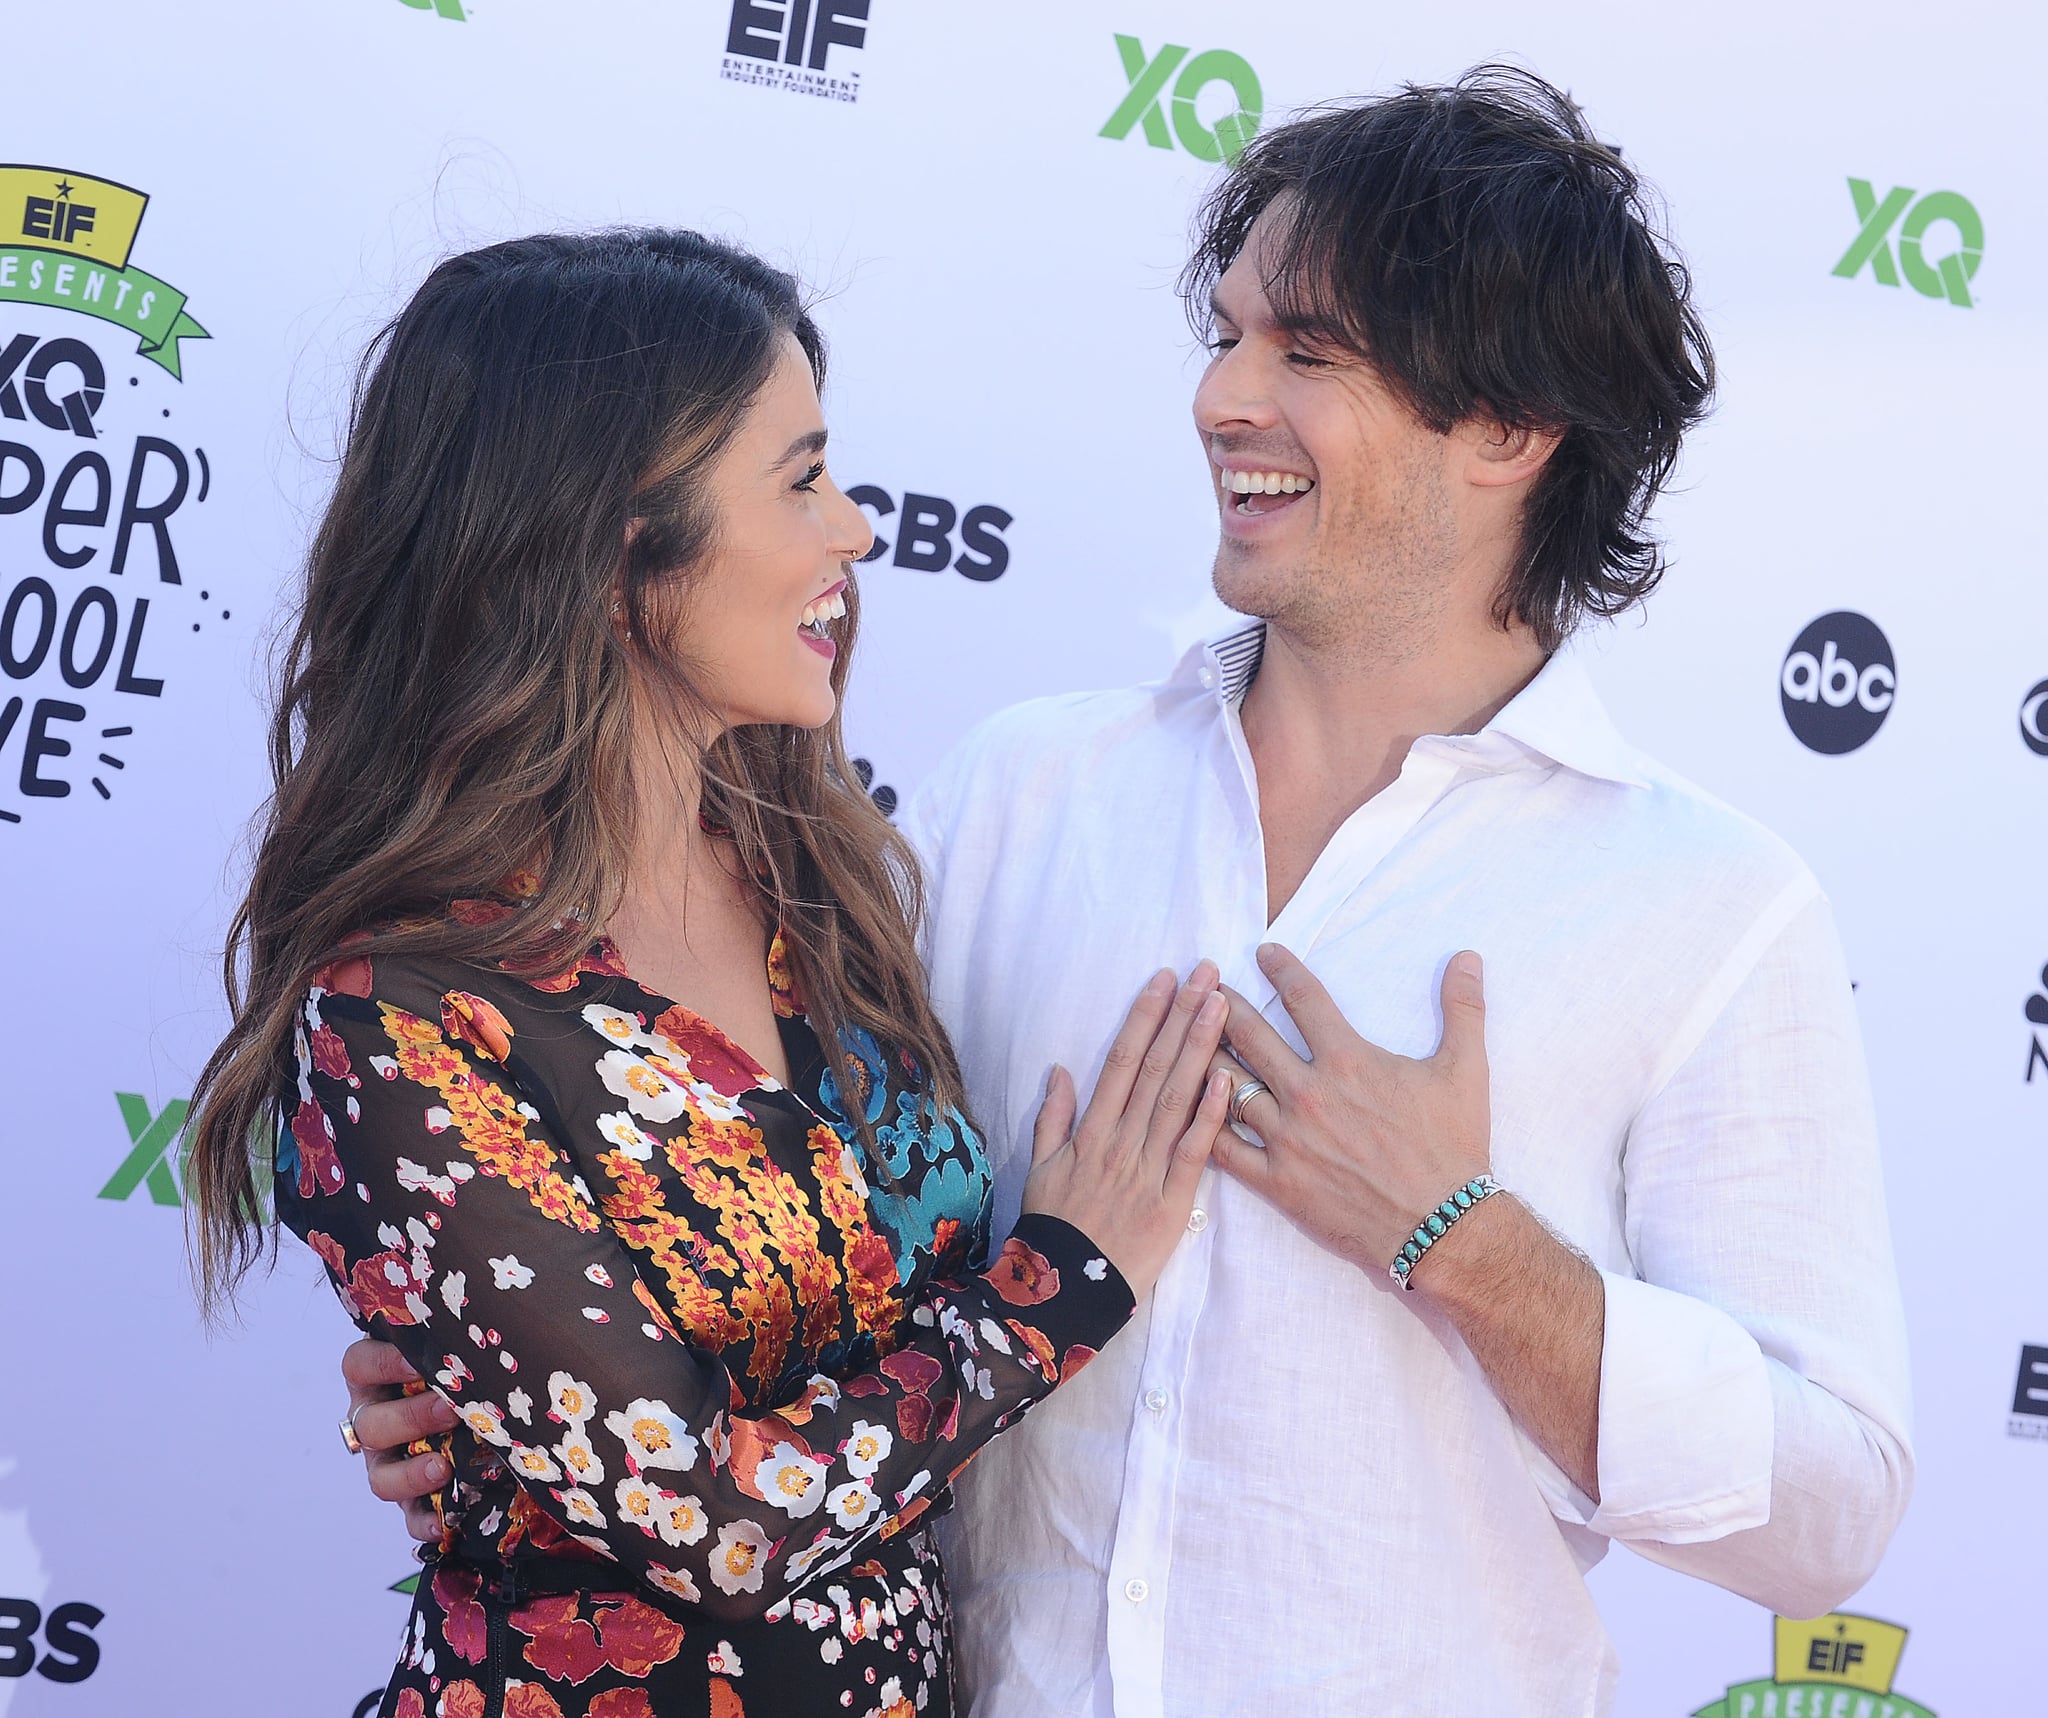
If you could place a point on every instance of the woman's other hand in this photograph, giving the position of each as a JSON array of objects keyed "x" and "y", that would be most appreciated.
[
  {"x": 1126, "y": 1175},
  {"x": 386, "y": 1421}
]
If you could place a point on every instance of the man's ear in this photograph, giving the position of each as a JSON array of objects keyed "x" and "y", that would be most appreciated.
[{"x": 1500, "y": 455}]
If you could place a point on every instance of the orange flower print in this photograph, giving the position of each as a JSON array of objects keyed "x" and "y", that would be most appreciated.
[
  {"x": 411, "y": 1704},
  {"x": 462, "y": 1619},
  {"x": 714, "y": 1059},
  {"x": 348, "y": 975},
  {"x": 637, "y": 1637},
  {"x": 471, "y": 1020},
  {"x": 621, "y": 1703},
  {"x": 530, "y": 1700},
  {"x": 563, "y": 1645},
  {"x": 320, "y": 1170},
  {"x": 1023, "y": 1277},
  {"x": 462, "y": 1700}
]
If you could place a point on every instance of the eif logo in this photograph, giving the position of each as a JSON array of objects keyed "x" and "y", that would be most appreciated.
[
  {"x": 443, "y": 8},
  {"x": 1142, "y": 105},
  {"x": 787, "y": 44},
  {"x": 152, "y": 1139},
  {"x": 1947, "y": 276},
  {"x": 1838, "y": 683},
  {"x": 2037, "y": 1017}
]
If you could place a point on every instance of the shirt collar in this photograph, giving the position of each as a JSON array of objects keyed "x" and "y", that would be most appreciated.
[{"x": 1557, "y": 715}]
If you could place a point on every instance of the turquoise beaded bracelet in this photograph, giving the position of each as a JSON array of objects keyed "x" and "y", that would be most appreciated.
[{"x": 1433, "y": 1227}]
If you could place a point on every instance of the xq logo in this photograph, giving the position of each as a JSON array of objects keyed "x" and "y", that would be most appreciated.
[
  {"x": 445, "y": 8},
  {"x": 1838, "y": 683},
  {"x": 153, "y": 1139},
  {"x": 62, "y": 382},
  {"x": 1148, "y": 78},
  {"x": 1947, "y": 277}
]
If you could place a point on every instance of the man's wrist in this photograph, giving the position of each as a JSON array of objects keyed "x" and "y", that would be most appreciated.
[{"x": 1472, "y": 1263}]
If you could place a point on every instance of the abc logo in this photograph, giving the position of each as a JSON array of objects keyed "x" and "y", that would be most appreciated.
[
  {"x": 2034, "y": 720},
  {"x": 1838, "y": 683}
]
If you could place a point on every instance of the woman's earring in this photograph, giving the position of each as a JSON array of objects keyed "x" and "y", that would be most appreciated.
[{"x": 625, "y": 632}]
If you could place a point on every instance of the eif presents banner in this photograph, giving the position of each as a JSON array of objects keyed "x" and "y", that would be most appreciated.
[{"x": 203, "y": 214}]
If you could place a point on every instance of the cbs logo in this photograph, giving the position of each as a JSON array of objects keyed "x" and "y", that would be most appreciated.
[
  {"x": 72, "y": 1653},
  {"x": 925, "y": 534},
  {"x": 1838, "y": 683}
]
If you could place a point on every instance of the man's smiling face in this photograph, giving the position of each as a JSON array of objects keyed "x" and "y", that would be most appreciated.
[{"x": 1336, "y": 507}]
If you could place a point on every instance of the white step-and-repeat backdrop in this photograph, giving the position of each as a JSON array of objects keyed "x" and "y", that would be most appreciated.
[{"x": 204, "y": 209}]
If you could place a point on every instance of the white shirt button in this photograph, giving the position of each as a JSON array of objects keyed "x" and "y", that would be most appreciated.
[
  {"x": 1208, "y": 678},
  {"x": 1136, "y": 1591},
  {"x": 1156, "y": 1400},
  {"x": 1198, "y": 1220}
]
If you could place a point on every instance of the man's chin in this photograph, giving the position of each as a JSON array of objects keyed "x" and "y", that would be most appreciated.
[{"x": 1250, "y": 584}]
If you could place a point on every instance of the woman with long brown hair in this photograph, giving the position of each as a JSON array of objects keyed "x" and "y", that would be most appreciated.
[{"x": 578, "y": 1019}]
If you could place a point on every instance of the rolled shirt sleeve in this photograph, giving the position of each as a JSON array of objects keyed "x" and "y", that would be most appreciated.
[{"x": 1754, "y": 1403}]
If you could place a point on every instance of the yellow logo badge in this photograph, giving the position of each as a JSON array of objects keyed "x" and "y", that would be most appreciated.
[
  {"x": 1838, "y": 1666},
  {"x": 65, "y": 240}
]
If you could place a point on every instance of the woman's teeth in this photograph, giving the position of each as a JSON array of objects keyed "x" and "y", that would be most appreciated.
[{"x": 825, "y": 609}]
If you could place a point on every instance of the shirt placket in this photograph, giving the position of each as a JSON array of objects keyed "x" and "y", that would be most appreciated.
[{"x": 1141, "y": 1559}]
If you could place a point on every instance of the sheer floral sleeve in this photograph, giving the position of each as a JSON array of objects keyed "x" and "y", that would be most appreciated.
[{"x": 644, "y": 1291}]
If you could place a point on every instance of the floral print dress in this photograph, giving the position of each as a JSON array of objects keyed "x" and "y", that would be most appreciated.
[{"x": 711, "y": 1369}]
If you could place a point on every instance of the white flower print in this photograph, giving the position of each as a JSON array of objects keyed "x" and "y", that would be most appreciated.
[
  {"x": 1095, "y": 1270},
  {"x": 573, "y": 1399},
  {"x": 723, "y": 1661},
  {"x": 509, "y": 1273},
  {"x": 680, "y": 1582},
  {"x": 811, "y": 1614},
  {"x": 831, "y": 1649},
  {"x": 439, "y": 1120},
  {"x": 995, "y": 1336},
  {"x": 521, "y": 1405},
  {"x": 867, "y": 1447},
  {"x": 638, "y": 1503},
  {"x": 791, "y": 1480},
  {"x": 581, "y": 1507},
  {"x": 597, "y": 1315},
  {"x": 737, "y": 1559},
  {"x": 579, "y": 1459},
  {"x": 680, "y": 1520},
  {"x": 485, "y": 1423},
  {"x": 649, "y": 1093},
  {"x": 620, "y": 1129},
  {"x": 454, "y": 1291},
  {"x": 386, "y": 1067},
  {"x": 599, "y": 1275},
  {"x": 622, "y": 1029},
  {"x": 654, "y": 1436},
  {"x": 531, "y": 1462},
  {"x": 803, "y": 1562},
  {"x": 852, "y": 1504},
  {"x": 453, "y": 1372}
]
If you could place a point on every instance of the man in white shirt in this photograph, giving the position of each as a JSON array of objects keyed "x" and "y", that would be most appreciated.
[
  {"x": 1293, "y": 1487},
  {"x": 1451, "y": 369}
]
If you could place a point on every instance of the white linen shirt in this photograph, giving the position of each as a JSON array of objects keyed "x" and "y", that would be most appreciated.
[{"x": 1288, "y": 1487}]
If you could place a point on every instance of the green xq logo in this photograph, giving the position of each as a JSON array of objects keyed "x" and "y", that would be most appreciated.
[
  {"x": 1148, "y": 76},
  {"x": 153, "y": 1139},
  {"x": 1948, "y": 277},
  {"x": 445, "y": 8}
]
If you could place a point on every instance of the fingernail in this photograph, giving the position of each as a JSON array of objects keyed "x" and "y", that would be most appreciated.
[
  {"x": 1163, "y": 982},
  {"x": 1213, "y": 1010},
  {"x": 1466, "y": 964},
  {"x": 435, "y": 1471},
  {"x": 1267, "y": 951},
  {"x": 444, "y": 1414}
]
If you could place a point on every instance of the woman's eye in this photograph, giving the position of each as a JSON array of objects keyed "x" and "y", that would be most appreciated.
[
  {"x": 1306, "y": 361},
  {"x": 809, "y": 480},
  {"x": 1219, "y": 345}
]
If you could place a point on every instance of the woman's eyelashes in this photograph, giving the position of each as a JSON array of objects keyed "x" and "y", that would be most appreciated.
[{"x": 808, "y": 483}]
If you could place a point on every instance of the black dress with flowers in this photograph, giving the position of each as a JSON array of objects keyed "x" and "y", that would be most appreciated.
[{"x": 709, "y": 1377}]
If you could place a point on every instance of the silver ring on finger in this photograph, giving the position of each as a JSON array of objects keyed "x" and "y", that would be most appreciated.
[
  {"x": 1243, "y": 1096},
  {"x": 347, "y": 1428}
]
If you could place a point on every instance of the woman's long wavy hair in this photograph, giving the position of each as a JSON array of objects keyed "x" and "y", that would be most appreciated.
[{"x": 456, "y": 701}]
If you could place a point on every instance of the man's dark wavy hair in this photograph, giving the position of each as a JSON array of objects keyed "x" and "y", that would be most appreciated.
[{"x": 1487, "y": 255}]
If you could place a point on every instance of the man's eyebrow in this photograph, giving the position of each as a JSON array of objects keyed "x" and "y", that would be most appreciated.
[{"x": 810, "y": 442}]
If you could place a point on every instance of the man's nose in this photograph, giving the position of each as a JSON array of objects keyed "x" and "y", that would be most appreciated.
[{"x": 1232, "y": 395}]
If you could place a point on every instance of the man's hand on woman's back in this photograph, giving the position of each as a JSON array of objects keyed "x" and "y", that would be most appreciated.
[{"x": 386, "y": 1421}]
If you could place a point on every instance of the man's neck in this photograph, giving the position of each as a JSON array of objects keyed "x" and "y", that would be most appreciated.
[{"x": 1329, "y": 727}]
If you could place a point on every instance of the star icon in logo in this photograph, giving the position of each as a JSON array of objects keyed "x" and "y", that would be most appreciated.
[{"x": 64, "y": 188}]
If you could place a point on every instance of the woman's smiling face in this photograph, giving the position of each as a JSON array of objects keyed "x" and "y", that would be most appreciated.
[{"x": 757, "y": 622}]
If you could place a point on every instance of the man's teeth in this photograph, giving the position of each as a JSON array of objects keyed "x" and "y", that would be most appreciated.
[
  {"x": 825, "y": 608},
  {"x": 1266, "y": 483}
]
